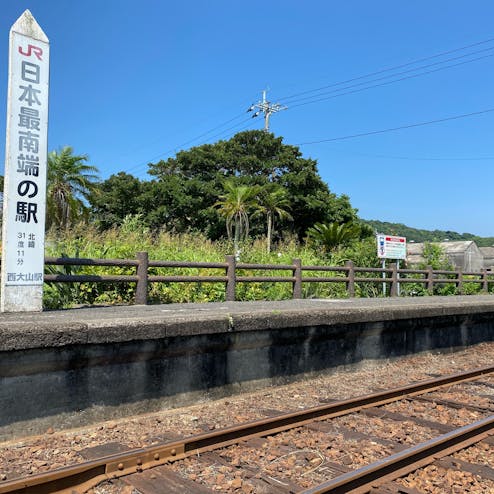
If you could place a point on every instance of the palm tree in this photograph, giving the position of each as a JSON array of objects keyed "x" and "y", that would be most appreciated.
[
  {"x": 331, "y": 235},
  {"x": 273, "y": 201},
  {"x": 70, "y": 181},
  {"x": 235, "y": 205}
]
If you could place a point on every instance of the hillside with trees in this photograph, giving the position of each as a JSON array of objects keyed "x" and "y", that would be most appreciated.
[{"x": 418, "y": 235}]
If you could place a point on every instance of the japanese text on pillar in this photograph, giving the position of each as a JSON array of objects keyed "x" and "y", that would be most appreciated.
[{"x": 27, "y": 100}]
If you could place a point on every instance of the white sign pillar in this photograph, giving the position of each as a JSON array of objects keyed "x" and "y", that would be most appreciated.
[{"x": 23, "y": 233}]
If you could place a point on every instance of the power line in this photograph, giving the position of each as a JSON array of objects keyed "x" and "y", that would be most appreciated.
[
  {"x": 225, "y": 131},
  {"x": 211, "y": 130},
  {"x": 135, "y": 167},
  {"x": 410, "y": 158},
  {"x": 404, "y": 72},
  {"x": 392, "y": 129},
  {"x": 396, "y": 67},
  {"x": 245, "y": 127},
  {"x": 265, "y": 109},
  {"x": 387, "y": 83}
]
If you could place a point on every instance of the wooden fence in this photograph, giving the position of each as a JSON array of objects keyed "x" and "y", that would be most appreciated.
[{"x": 297, "y": 274}]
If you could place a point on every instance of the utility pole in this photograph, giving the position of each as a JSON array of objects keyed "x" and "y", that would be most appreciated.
[{"x": 267, "y": 108}]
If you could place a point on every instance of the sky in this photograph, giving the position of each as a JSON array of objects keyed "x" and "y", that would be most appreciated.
[{"x": 133, "y": 82}]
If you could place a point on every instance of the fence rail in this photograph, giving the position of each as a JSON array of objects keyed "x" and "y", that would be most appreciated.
[{"x": 235, "y": 272}]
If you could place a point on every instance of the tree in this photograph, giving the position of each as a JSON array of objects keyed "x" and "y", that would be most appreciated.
[
  {"x": 235, "y": 205},
  {"x": 330, "y": 236},
  {"x": 273, "y": 202},
  {"x": 165, "y": 204},
  {"x": 435, "y": 256},
  {"x": 70, "y": 183},
  {"x": 116, "y": 198},
  {"x": 253, "y": 158}
]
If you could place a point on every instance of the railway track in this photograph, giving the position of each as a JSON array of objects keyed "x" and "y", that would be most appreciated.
[{"x": 358, "y": 445}]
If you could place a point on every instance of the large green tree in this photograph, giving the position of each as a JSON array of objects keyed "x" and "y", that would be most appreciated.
[
  {"x": 254, "y": 158},
  {"x": 115, "y": 198},
  {"x": 70, "y": 183}
]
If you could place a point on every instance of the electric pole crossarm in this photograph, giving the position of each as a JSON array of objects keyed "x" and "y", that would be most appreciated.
[{"x": 267, "y": 109}]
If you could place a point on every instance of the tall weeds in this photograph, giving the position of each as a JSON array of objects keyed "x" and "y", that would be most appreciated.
[{"x": 131, "y": 237}]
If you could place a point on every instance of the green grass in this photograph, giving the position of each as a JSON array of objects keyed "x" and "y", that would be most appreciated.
[
  {"x": 125, "y": 242},
  {"x": 131, "y": 237}
]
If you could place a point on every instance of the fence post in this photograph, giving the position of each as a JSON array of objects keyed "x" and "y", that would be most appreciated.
[
  {"x": 459, "y": 281},
  {"x": 230, "y": 279},
  {"x": 393, "y": 291},
  {"x": 430, "y": 280},
  {"x": 350, "y": 285},
  {"x": 141, "y": 297},
  {"x": 297, "y": 273},
  {"x": 485, "y": 284}
]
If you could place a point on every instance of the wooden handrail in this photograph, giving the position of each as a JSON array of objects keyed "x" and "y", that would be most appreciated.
[{"x": 233, "y": 272}]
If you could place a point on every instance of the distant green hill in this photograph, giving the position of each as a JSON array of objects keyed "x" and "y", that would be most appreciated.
[{"x": 418, "y": 235}]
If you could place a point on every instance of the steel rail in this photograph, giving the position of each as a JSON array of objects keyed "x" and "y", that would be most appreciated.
[
  {"x": 78, "y": 478},
  {"x": 362, "y": 480}
]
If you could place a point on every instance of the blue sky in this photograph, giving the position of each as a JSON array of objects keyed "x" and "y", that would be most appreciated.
[{"x": 133, "y": 82}]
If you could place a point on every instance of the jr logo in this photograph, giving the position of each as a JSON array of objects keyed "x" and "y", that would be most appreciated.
[{"x": 36, "y": 50}]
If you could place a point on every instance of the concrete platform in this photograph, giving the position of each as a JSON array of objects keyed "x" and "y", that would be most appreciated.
[
  {"x": 73, "y": 367},
  {"x": 128, "y": 323}
]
